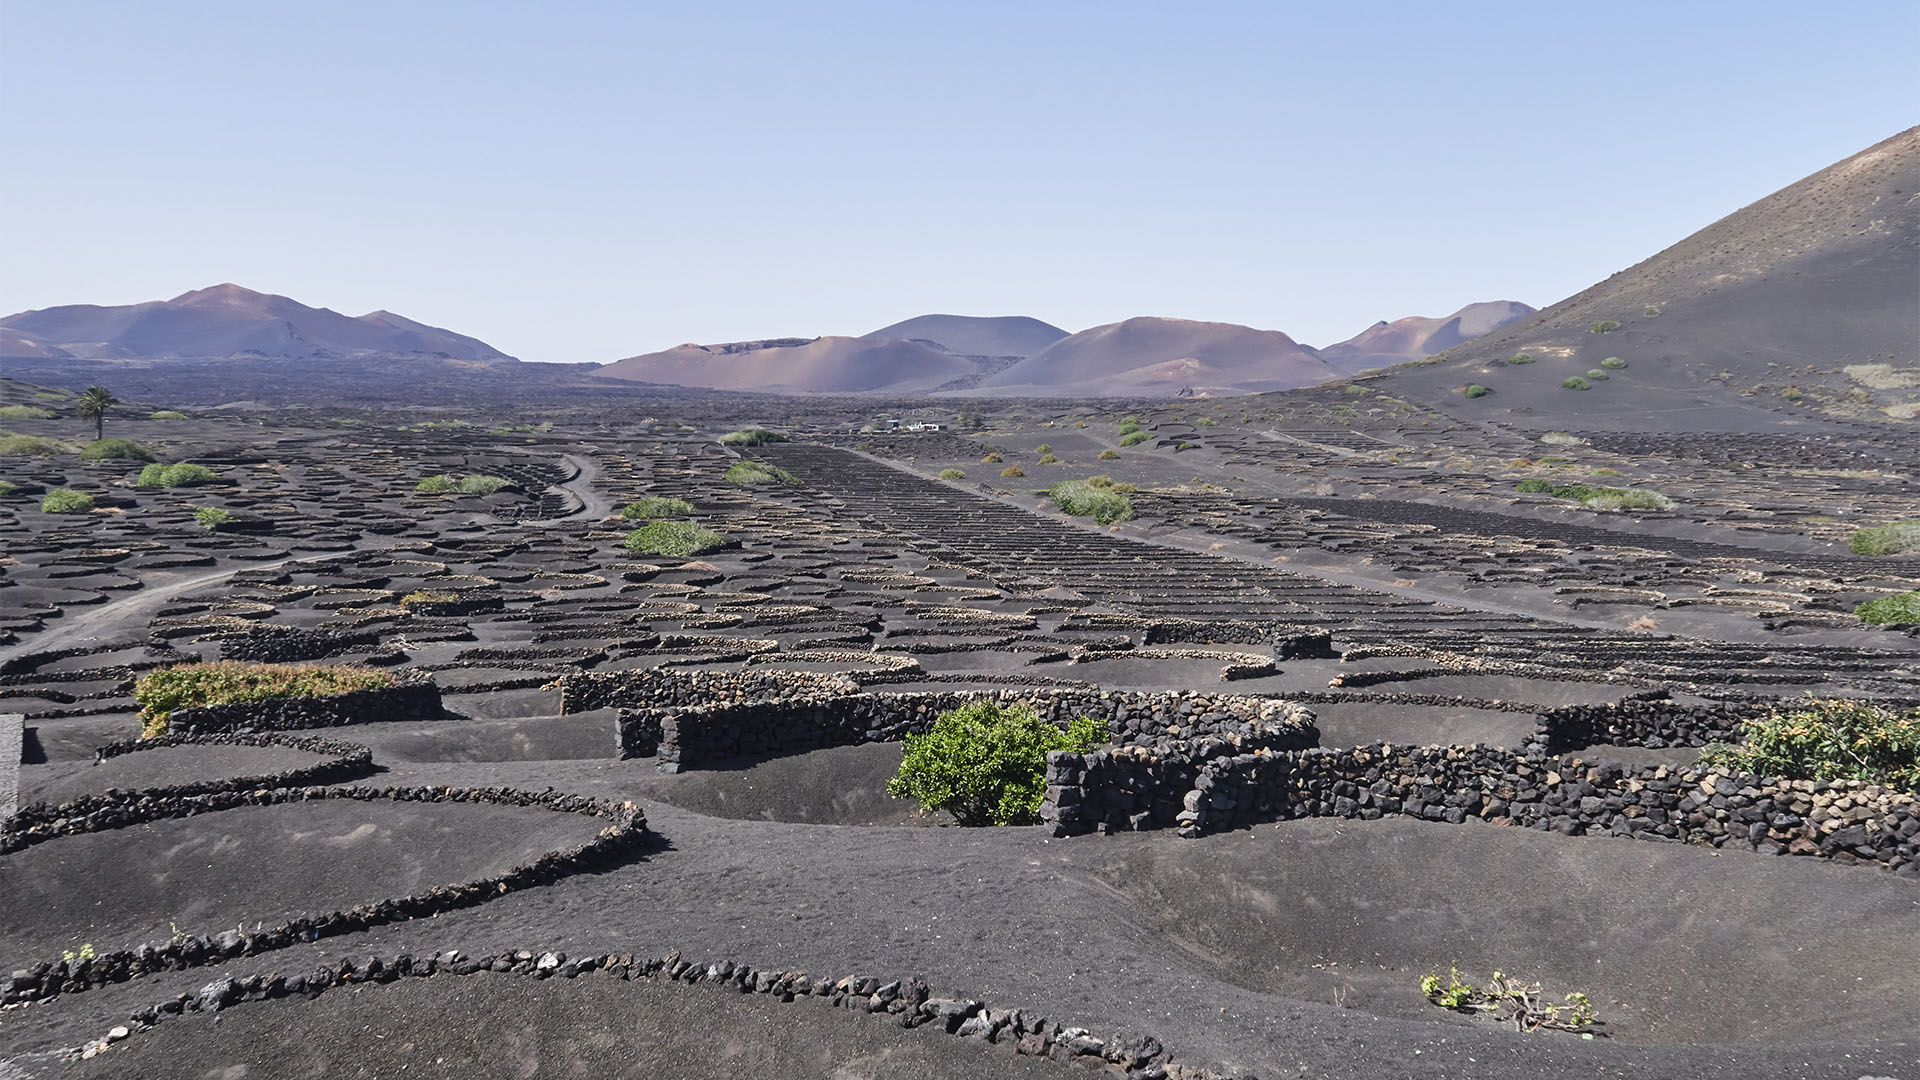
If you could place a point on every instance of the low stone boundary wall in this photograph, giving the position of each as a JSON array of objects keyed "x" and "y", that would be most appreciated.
[
  {"x": 1845, "y": 820},
  {"x": 289, "y": 644},
  {"x": 1654, "y": 723},
  {"x": 660, "y": 688},
  {"x": 413, "y": 698},
  {"x": 625, "y": 834},
  {"x": 695, "y": 736},
  {"x": 13, "y": 730},
  {"x": 341, "y": 761},
  {"x": 909, "y": 1003}
]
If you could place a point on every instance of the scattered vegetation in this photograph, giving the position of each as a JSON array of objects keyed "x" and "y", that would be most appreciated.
[
  {"x": 1606, "y": 326},
  {"x": 1650, "y": 311},
  {"x": 1109, "y": 455},
  {"x": 1013, "y": 471},
  {"x": 758, "y": 473},
  {"x": 1561, "y": 438},
  {"x": 1613, "y": 363},
  {"x": 167, "y": 414},
  {"x": 677, "y": 539},
  {"x": 1081, "y": 498},
  {"x": 8, "y": 487},
  {"x": 1135, "y": 438},
  {"x": 31, "y": 445},
  {"x": 1574, "y": 382},
  {"x": 462, "y": 484},
  {"x": 1900, "y": 609},
  {"x": 1476, "y": 390},
  {"x": 66, "y": 501},
  {"x": 751, "y": 437},
  {"x": 985, "y": 763},
  {"x": 115, "y": 449},
  {"x": 1520, "y": 358},
  {"x": 212, "y": 517},
  {"x": 1792, "y": 395},
  {"x": 992, "y": 459},
  {"x": 429, "y": 596},
  {"x": 1509, "y": 999},
  {"x": 1597, "y": 498},
  {"x": 226, "y": 682},
  {"x": 1893, "y": 538},
  {"x": 26, "y": 412},
  {"x": 1050, "y": 459},
  {"x": 655, "y": 507},
  {"x": 1830, "y": 739},
  {"x": 1043, "y": 449},
  {"x": 181, "y": 475},
  {"x": 952, "y": 474},
  {"x": 1129, "y": 425},
  {"x": 1597, "y": 374}
]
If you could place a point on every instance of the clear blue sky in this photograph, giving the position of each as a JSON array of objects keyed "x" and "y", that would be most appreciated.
[{"x": 585, "y": 181}]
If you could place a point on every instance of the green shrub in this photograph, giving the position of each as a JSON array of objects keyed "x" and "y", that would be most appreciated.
[
  {"x": 1574, "y": 382},
  {"x": 1129, "y": 425},
  {"x": 986, "y": 763},
  {"x": 1135, "y": 438},
  {"x": 115, "y": 449},
  {"x": 1627, "y": 499},
  {"x": 1834, "y": 739},
  {"x": 655, "y": 507},
  {"x": 1205, "y": 421},
  {"x": 751, "y": 437},
  {"x": 1109, "y": 455},
  {"x": 1606, "y": 326},
  {"x": 226, "y": 682},
  {"x": 1597, "y": 374},
  {"x": 1601, "y": 498},
  {"x": 1893, "y": 538},
  {"x": 1185, "y": 446},
  {"x": 1520, "y": 358},
  {"x": 167, "y": 414},
  {"x": 1476, "y": 390},
  {"x": 1101, "y": 481},
  {"x": 181, "y": 475},
  {"x": 952, "y": 474},
  {"x": 429, "y": 596},
  {"x": 992, "y": 459},
  {"x": 1613, "y": 363},
  {"x": 26, "y": 412},
  {"x": 678, "y": 539},
  {"x": 758, "y": 473},
  {"x": 31, "y": 445},
  {"x": 66, "y": 501},
  {"x": 1792, "y": 395},
  {"x": 1013, "y": 471},
  {"x": 8, "y": 487},
  {"x": 476, "y": 484},
  {"x": 211, "y": 517},
  {"x": 1043, "y": 449},
  {"x": 1897, "y": 610},
  {"x": 1082, "y": 499},
  {"x": 1049, "y": 459},
  {"x": 437, "y": 482},
  {"x": 1650, "y": 311},
  {"x": 1124, "y": 488}
]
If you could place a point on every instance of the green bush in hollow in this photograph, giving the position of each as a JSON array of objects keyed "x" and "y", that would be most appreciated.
[{"x": 986, "y": 763}]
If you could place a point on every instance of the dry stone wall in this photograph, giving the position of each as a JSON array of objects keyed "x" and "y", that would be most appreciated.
[{"x": 413, "y": 698}]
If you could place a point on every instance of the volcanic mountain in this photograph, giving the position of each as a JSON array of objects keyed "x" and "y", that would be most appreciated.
[
  {"x": 1416, "y": 337},
  {"x": 229, "y": 321},
  {"x": 1156, "y": 357},
  {"x": 967, "y": 335},
  {"x": 1804, "y": 303}
]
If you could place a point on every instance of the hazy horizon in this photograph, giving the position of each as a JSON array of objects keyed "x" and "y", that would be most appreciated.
[{"x": 595, "y": 181}]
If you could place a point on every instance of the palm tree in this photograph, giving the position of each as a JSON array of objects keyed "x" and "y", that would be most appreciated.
[{"x": 93, "y": 404}]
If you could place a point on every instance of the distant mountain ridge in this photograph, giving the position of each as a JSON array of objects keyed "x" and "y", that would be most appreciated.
[
  {"x": 229, "y": 321},
  {"x": 1385, "y": 344},
  {"x": 1016, "y": 355}
]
